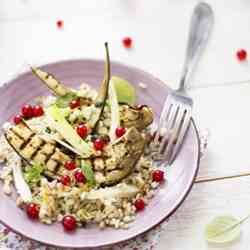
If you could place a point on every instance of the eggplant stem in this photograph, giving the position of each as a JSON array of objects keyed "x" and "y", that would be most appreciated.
[{"x": 103, "y": 92}]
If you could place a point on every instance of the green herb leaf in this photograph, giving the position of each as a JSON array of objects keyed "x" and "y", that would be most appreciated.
[
  {"x": 98, "y": 104},
  {"x": 48, "y": 130},
  {"x": 88, "y": 172},
  {"x": 33, "y": 174},
  {"x": 223, "y": 229},
  {"x": 64, "y": 101}
]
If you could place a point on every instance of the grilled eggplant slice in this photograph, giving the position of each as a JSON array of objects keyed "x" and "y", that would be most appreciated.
[
  {"x": 102, "y": 94},
  {"x": 65, "y": 95},
  {"x": 138, "y": 117},
  {"x": 51, "y": 82},
  {"x": 125, "y": 152},
  {"x": 34, "y": 149}
]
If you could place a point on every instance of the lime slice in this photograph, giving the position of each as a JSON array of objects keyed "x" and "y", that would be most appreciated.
[
  {"x": 124, "y": 90},
  {"x": 223, "y": 229}
]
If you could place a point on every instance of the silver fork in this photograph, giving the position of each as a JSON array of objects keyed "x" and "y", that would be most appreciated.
[{"x": 177, "y": 111}]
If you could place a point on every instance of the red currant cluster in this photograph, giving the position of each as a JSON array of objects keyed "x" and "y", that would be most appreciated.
[{"x": 28, "y": 112}]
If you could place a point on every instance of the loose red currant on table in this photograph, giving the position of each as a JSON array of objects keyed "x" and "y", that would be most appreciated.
[
  {"x": 158, "y": 175},
  {"x": 59, "y": 24},
  {"x": 27, "y": 111},
  {"x": 75, "y": 104},
  {"x": 65, "y": 180},
  {"x": 17, "y": 119},
  {"x": 82, "y": 130},
  {"x": 37, "y": 111},
  {"x": 69, "y": 223},
  {"x": 139, "y": 204},
  {"x": 241, "y": 54},
  {"x": 127, "y": 42},
  {"x": 79, "y": 176},
  {"x": 99, "y": 144},
  {"x": 120, "y": 131},
  {"x": 32, "y": 210},
  {"x": 70, "y": 165}
]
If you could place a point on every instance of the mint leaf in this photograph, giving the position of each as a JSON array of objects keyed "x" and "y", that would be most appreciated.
[
  {"x": 88, "y": 172},
  {"x": 64, "y": 101}
]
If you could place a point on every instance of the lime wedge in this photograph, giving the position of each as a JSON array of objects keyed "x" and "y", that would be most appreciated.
[{"x": 124, "y": 90}]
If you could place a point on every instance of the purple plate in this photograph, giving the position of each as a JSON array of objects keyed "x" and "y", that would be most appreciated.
[{"x": 168, "y": 198}]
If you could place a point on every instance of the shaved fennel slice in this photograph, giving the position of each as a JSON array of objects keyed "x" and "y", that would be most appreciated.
[
  {"x": 21, "y": 186},
  {"x": 48, "y": 137},
  {"x": 66, "y": 145},
  {"x": 61, "y": 125},
  {"x": 109, "y": 193},
  {"x": 115, "y": 115}
]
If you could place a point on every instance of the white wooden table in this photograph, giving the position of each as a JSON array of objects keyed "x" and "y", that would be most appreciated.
[{"x": 220, "y": 87}]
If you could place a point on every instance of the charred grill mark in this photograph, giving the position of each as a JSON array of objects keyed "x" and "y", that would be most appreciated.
[
  {"x": 15, "y": 149},
  {"x": 60, "y": 169},
  {"x": 16, "y": 134},
  {"x": 33, "y": 149},
  {"x": 40, "y": 157},
  {"x": 13, "y": 139},
  {"x": 25, "y": 143},
  {"x": 38, "y": 148},
  {"x": 23, "y": 131},
  {"x": 52, "y": 165},
  {"x": 50, "y": 175},
  {"x": 49, "y": 155}
]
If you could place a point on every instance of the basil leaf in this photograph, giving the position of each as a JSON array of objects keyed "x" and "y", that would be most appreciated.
[
  {"x": 64, "y": 101},
  {"x": 88, "y": 172},
  {"x": 223, "y": 229}
]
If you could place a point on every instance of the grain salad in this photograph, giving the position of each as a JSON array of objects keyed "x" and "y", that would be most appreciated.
[{"x": 80, "y": 156}]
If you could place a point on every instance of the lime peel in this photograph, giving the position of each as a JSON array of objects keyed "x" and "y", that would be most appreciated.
[{"x": 125, "y": 91}]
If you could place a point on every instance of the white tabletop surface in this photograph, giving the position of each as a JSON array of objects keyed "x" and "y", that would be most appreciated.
[{"x": 220, "y": 86}]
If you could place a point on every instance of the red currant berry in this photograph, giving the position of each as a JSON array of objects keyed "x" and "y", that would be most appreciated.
[
  {"x": 82, "y": 130},
  {"x": 158, "y": 175},
  {"x": 75, "y": 104},
  {"x": 59, "y": 24},
  {"x": 70, "y": 165},
  {"x": 79, "y": 176},
  {"x": 27, "y": 111},
  {"x": 65, "y": 180},
  {"x": 17, "y": 119},
  {"x": 37, "y": 111},
  {"x": 241, "y": 55},
  {"x": 127, "y": 42},
  {"x": 69, "y": 223},
  {"x": 99, "y": 144},
  {"x": 32, "y": 211},
  {"x": 120, "y": 131},
  {"x": 139, "y": 204}
]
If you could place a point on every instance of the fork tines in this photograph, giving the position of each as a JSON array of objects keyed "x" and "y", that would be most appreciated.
[{"x": 174, "y": 122}]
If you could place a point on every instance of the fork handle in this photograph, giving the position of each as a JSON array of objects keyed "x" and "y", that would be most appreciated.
[{"x": 201, "y": 24}]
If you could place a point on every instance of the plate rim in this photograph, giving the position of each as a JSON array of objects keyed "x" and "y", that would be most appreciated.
[{"x": 174, "y": 209}]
